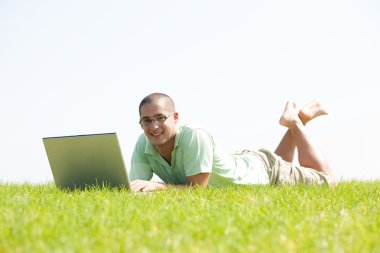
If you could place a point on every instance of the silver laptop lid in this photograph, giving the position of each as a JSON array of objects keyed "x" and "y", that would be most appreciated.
[{"x": 86, "y": 160}]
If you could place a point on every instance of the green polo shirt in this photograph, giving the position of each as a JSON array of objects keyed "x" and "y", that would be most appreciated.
[{"x": 195, "y": 151}]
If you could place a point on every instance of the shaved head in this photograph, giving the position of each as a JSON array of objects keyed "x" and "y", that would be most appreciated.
[{"x": 158, "y": 96}]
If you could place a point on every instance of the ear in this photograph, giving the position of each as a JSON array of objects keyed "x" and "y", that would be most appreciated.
[{"x": 175, "y": 116}]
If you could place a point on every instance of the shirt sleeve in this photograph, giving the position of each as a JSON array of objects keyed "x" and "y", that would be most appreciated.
[
  {"x": 198, "y": 151},
  {"x": 140, "y": 168}
]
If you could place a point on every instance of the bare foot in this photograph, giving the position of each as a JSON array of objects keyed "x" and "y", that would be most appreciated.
[
  {"x": 290, "y": 115},
  {"x": 310, "y": 111}
]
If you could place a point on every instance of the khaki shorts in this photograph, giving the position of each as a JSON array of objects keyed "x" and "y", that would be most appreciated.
[{"x": 281, "y": 172}]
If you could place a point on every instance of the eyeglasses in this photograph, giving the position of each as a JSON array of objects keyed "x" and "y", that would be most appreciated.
[{"x": 145, "y": 122}]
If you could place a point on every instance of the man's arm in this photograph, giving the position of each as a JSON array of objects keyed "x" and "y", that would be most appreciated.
[
  {"x": 199, "y": 180},
  {"x": 140, "y": 168}
]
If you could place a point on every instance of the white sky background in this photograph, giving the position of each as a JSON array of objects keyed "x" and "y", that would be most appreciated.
[{"x": 80, "y": 67}]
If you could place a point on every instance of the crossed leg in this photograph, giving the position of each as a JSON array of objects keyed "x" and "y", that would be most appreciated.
[{"x": 308, "y": 153}]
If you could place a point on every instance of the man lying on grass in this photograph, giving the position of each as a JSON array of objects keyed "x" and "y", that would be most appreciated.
[{"x": 182, "y": 155}]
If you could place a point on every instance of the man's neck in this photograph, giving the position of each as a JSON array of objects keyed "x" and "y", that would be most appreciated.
[{"x": 166, "y": 150}]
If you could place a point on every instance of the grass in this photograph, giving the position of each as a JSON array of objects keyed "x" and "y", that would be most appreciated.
[{"x": 41, "y": 218}]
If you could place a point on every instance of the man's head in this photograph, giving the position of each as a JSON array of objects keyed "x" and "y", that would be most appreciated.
[
  {"x": 156, "y": 96},
  {"x": 158, "y": 119}
]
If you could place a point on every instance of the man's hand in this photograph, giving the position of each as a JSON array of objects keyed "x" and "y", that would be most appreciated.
[
  {"x": 146, "y": 186},
  {"x": 199, "y": 180}
]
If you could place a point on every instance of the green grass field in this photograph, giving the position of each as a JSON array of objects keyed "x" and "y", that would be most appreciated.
[{"x": 41, "y": 218}]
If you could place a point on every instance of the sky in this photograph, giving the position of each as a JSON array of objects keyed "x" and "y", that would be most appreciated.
[{"x": 82, "y": 67}]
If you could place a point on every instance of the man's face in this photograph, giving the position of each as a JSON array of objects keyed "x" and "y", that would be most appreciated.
[{"x": 157, "y": 128}]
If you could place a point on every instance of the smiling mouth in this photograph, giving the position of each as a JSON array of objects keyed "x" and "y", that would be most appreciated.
[{"x": 156, "y": 134}]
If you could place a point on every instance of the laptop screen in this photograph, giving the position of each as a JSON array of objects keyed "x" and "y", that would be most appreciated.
[{"x": 82, "y": 161}]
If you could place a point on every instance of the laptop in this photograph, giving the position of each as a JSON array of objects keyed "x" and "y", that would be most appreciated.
[{"x": 85, "y": 161}]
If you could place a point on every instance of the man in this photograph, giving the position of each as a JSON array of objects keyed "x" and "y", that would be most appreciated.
[{"x": 184, "y": 156}]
